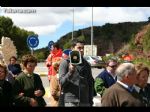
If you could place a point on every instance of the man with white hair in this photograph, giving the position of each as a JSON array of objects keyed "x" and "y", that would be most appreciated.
[{"x": 122, "y": 93}]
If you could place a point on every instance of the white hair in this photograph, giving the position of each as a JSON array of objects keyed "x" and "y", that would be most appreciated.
[{"x": 124, "y": 69}]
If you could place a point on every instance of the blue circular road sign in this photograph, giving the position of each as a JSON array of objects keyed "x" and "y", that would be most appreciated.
[
  {"x": 33, "y": 41},
  {"x": 50, "y": 44}
]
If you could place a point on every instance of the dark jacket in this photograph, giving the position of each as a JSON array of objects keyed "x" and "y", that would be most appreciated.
[
  {"x": 102, "y": 81},
  {"x": 78, "y": 87},
  {"x": 27, "y": 85},
  {"x": 15, "y": 69},
  {"x": 5, "y": 94},
  {"x": 145, "y": 94}
]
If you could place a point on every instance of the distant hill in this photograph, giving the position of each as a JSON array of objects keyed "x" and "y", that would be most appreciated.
[{"x": 109, "y": 38}]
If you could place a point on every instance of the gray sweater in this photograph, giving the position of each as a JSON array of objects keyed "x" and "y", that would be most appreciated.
[{"x": 79, "y": 86}]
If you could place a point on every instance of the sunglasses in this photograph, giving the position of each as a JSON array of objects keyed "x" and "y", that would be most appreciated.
[{"x": 113, "y": 66}]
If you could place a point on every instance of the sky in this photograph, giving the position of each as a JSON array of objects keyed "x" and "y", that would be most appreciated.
[{"x": 51, "y": 23}]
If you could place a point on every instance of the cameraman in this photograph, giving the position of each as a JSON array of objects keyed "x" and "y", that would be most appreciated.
[{"x": 77, "y": 83}]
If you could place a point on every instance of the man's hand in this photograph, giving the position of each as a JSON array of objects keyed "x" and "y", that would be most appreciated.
[
  {"x": 48, "y": 64},
  {"x": 71, "y": 68},
  {"x": 38, "y": 93},
  {"x": 21, "y": 94}
]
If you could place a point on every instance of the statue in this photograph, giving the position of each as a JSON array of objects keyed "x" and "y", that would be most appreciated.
[{"x": 7, "y": 49}]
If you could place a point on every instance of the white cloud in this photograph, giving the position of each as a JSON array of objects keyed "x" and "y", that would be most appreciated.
[
  {"x": 120, "y": 14},
  {"x": 48, "y": 19},
  {"x": 43, "y": 30},
  {"x": 104, "y": 15}
]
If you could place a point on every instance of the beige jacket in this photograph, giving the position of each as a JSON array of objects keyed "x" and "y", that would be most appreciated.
[{"x": 54, "y": 91}]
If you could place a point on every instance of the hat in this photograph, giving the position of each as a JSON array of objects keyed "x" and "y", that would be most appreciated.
[{"x": 67, "y": 51}]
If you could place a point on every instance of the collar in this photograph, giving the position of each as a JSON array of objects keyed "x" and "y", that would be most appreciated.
[
  {"x": 137, "y": 88},
  {"x": 130, "y": 88},
  {"x": 29, "y": 75}
]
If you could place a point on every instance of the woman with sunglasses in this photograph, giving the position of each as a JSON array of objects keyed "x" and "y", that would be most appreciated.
[{"x": 106, "y": 78}]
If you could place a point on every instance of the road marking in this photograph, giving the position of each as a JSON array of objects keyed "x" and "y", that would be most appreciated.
[
  {"x": 47, "y": 92},
  {"x": 41, "y": 73},
  {"x": 47, "y": 96}
]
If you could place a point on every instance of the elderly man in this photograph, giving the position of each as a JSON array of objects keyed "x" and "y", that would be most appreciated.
[{"x": 122, "y": 93}]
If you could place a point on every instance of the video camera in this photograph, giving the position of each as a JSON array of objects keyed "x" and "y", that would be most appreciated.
[{"x": 75, "y": 57}]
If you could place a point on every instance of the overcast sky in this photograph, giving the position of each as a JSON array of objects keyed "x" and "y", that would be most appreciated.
[{"x": 50, "y": 23}]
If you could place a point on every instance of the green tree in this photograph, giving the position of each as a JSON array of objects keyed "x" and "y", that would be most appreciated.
[
  {"x": 5, "y": 26},
  {"x": 146, "y": 41},
  {"x": 67, "y": 45},
  {"x": 81, "y": 37},
  {"x": 17, "y": 35}
]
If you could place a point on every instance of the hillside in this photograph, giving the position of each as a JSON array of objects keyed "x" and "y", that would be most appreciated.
[
  {"x": 109, "y": 38},
  {"x": 139, "y": 46}
]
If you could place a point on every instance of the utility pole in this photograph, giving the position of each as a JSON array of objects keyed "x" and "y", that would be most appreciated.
[
  {"x": 92, "y": 32},
  {"x": 73, "y": 23}
]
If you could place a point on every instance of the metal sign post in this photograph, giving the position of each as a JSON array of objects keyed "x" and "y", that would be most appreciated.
[
  {"x": 32, "y": 42},
  {"x": 92, "y": 32},
  {"x": 31, "y": 51}
]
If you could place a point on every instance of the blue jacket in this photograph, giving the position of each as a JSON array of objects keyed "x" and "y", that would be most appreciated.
[
  {"x": 102, "y": 81},
  {"x": 15, "y": 69},
  {"x": 107, "y": 78}
]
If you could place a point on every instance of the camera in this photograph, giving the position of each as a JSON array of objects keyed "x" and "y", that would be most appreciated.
[{"x": 75, "y": 57}]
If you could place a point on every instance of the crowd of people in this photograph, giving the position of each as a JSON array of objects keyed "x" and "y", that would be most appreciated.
[
  {"x": 27, "y": 89},
  {"x": 72, "y": 85}
]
